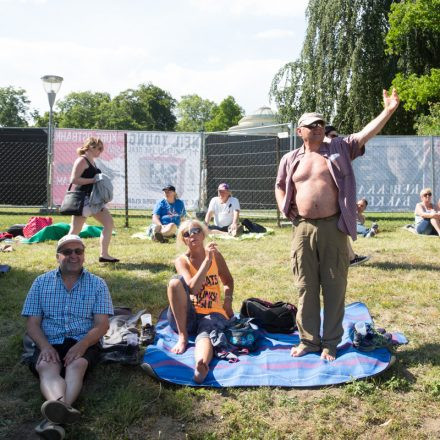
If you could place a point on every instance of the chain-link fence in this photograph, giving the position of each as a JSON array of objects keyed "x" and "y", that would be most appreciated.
[
  {"x": 390, "y": 175},
  {"x": 248, "y": 163},
  {"x": 23, "y": 166}
]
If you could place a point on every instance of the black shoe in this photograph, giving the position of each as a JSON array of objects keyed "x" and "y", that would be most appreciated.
[
  {"x": 108, "y": 260},
  {"x": 159, "y": 237},
  {"x": 50, "y": 431},
  {"x": 59, "y": 412},
  {"x": 359, "y": 259}
]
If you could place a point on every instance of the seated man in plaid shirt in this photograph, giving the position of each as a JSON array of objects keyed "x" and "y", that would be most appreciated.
[{"x": 67, "y": 312}]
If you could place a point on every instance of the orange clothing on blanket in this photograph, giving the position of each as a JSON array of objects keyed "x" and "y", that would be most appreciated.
[{"x": 208, "y": 300}]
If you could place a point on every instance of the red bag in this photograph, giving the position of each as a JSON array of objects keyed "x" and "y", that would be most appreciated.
[{"x": 36, "y": 224}]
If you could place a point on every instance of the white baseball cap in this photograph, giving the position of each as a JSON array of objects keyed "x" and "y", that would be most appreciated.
[{"x": 70, "y": 238}]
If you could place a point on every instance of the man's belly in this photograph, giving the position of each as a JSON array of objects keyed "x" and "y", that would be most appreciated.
[{"x": 316, "y": 199}]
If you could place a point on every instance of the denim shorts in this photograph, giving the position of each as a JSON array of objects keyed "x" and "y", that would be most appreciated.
[
  {"x": 197, "y": 324},
  {"x": 425, "y": 227}
]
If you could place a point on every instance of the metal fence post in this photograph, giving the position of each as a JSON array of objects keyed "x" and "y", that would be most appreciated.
[
  {"x": 126, "y": 179},
  {"x": 203, "y": 190},
  {"x": 277, "y": 161}
]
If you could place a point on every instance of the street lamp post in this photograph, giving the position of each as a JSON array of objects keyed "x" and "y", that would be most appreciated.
[{"x": 51, "y": 84}]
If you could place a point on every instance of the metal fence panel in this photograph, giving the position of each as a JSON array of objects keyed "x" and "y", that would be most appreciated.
[{"x": 23, "y": 180}]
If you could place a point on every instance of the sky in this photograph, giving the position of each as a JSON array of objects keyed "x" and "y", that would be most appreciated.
[{"x": 213, "y": 48}]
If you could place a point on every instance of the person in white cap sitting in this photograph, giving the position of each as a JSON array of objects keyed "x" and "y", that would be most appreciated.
[
  {"x": 226, "y": 212},
  {"x": 67, "y": 311}
]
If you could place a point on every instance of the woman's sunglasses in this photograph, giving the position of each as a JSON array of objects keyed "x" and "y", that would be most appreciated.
[
  {"x": 427, "y": 195},
  {"x": 68, "y": 252},
  {"x": 186, "y": 234}
]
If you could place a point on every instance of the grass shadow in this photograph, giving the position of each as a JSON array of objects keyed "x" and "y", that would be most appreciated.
[
  {"x": 404, "y": 266},
  {"x": 151, "y": 267},
  {"x": 428, "y": 353}
]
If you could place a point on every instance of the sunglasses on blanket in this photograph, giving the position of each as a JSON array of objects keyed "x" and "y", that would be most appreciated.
[
  {"x": 186, "y": 234},
  {"x": 68, "y": 252}
]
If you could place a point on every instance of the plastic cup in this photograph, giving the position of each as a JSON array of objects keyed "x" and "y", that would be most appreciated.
[{"x": 146, "y": 319}]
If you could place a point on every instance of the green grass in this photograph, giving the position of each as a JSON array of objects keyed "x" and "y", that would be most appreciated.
[{"x": 400, "y": 285}]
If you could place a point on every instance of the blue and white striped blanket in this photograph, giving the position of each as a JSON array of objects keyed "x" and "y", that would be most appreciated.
[{"x": 271, "y": 364}]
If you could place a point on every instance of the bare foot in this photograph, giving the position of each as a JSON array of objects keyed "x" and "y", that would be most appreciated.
[
  {"x": 201, "y": 371},
  {"x": 300, "y": 350},
  {"x": 327, "y": 355},
  {"x": 180, "y": 347}
]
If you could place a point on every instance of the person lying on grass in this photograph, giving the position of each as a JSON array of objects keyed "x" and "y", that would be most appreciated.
[
  {"x": 67, "y": 311},
  {"x": 195, "y": 294}
]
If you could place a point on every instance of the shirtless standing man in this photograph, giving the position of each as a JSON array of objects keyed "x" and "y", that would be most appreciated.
[{"x": 316, "y": 189}]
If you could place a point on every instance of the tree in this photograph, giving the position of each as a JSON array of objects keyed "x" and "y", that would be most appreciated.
[
  {"x": 226, "y": 115},
  {"x": 14, "y": 107},
  {"x": 194, "y": 112},
  {"x": 429, "y": 125},
  {"x": 414, "y": 37},
  {"x": 83, "y": 110},
  {"x": 342, "y": 68},
  {"x": 146, "y": 108}
]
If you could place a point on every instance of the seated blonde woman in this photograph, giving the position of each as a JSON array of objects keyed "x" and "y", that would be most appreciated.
[
  {"x": 197, "y": 305},
  {"x": 427, "y": 218}
]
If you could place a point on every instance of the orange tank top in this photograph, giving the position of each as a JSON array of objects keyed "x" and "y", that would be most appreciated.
[{"x": 208, "y": 300}]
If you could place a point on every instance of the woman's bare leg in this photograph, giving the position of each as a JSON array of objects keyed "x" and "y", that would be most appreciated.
[
  {"x": 203, "y": 355},
  {"x": 178, "y": 300},
  {"x": 105, "y": 218},
  {"x": 76, "y": 224}
]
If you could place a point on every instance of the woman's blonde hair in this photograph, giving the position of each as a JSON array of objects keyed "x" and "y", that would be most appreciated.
[
  {"x": 425, "y": 190},
  {"x": 186, "y": 226},
  {"x": 89, "y": 143}
]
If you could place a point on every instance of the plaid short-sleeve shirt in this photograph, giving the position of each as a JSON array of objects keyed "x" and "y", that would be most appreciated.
[{"x": 67, "y": 314}]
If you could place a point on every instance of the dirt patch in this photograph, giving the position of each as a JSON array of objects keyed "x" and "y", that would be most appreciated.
[{"x": 432, "y": 426}]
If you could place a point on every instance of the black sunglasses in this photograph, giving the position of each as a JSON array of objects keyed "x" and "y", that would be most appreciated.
[
  {"x": 186, "y": 234},
  {"x": 314, "y": 125},
  {"x": 68, "y": 252},
  {"x": 332, "y": 136},
  {"x": 427, "y": 194}
]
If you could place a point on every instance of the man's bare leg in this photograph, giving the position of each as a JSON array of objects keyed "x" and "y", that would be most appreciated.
[
  {"x": 178, "y": 300},
  {"x": 52, "y": 385},
  {"x": 203, "y": 355},
  {"x": 74, "y": 379}
]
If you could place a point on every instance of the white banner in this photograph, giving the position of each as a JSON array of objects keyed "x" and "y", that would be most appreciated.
[{"x": 156, "y": 159}]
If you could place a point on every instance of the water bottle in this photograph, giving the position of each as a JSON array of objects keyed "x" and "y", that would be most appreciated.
[{"x": 361, "y": 328}]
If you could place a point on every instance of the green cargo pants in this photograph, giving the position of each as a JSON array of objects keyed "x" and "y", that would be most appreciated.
[{"x": 320, "y": 261}]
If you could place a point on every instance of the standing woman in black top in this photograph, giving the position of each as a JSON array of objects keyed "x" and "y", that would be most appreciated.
[{"x": 84, "y": 175}]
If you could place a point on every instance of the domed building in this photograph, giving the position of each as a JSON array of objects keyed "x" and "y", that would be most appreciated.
[{"x": 258, "y": 122}]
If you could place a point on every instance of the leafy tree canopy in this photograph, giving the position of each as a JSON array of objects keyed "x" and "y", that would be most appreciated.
[
  {"x": 414, "y": 36},
  {"x": 194, "y": 112},
  {"x": 226, "y": 115},
  {"x": 343, "y": 67},
  {"x": 429, "y": 125},
  {"x": 14, "y": 107}
]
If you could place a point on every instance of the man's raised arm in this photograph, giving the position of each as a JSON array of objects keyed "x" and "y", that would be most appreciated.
[{"x": 391, "y": 102}]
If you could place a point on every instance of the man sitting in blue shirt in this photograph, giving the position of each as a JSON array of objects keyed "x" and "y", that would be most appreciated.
[
  {"x": 167, "y": 215},
  {"x": 67, "y": 312}
]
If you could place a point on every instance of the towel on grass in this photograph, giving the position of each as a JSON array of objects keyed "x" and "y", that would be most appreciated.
[
  {"x": 245, "y": 236},
  {"x": 58, "y": 230},
  {"x": 271, "y": 364}
]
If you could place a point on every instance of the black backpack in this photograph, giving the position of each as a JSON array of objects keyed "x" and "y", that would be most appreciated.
[
  {"x": 279, "y": 317},
  {"x": 250, "y": 226}
]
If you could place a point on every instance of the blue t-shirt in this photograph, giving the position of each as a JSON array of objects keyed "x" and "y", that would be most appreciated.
[{"x": 170, "y": 212}]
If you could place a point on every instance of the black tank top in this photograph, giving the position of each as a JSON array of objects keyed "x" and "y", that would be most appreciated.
[{"x": 90, "y": 172}]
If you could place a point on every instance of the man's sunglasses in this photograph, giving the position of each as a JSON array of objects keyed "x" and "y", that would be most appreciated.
[
  {"x": 332, "y": 136},
  {"x": 314, "y": 125},
  {"x": 68, "y": 252},
  {"x": 186, "y": 234},
  {"x": 427, "y": 195}
]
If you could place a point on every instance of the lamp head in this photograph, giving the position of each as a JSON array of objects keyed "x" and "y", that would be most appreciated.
[{"x": 51, "y": 83}]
